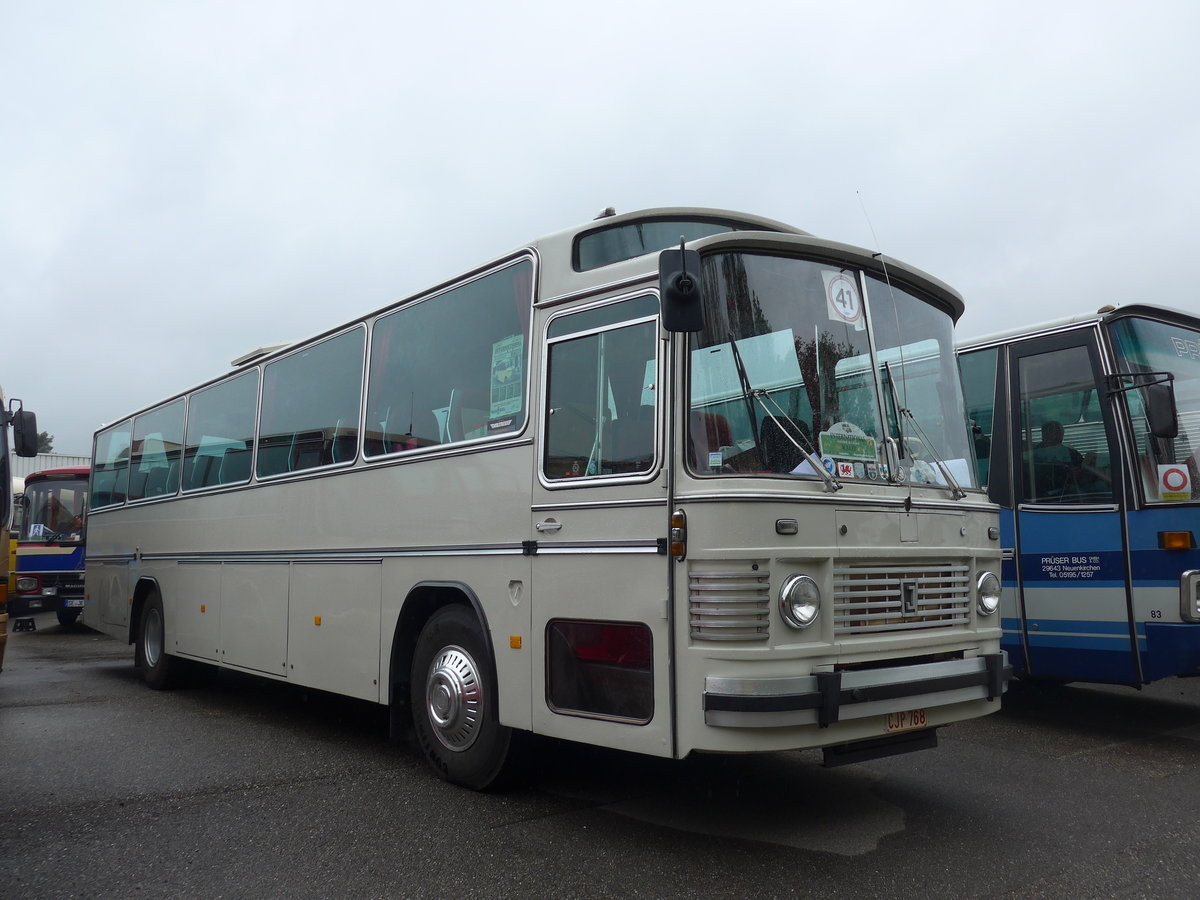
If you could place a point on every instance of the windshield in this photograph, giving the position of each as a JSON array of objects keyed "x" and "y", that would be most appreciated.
[
  {"x": 799, "y": 330},
  {"x": 1168, "y": 468},
  {"x": 54, "y": 509}
]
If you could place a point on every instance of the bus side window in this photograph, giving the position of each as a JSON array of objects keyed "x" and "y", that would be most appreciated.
[
  {"x": 1063, "y": 459},
  {"x": 306, "y": 397},
  {"x": 600, "y": 419},
  {"x": 451, "y": 367}
]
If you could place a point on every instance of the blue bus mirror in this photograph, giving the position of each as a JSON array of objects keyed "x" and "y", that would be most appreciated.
[{"x": 679, "y": 290}]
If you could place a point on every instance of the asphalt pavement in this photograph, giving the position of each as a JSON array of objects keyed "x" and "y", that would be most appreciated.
[{"x": 249, "y": 788}]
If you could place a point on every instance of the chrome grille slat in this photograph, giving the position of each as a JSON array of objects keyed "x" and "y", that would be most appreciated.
[
  {"x": 729, "y": 604},
  {"x": 867, "y": 597}
]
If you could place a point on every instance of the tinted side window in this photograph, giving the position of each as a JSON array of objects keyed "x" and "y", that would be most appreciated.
[
  {"x": 452, "y": 367},
  {"x": 979, "y": 392},
  {"x": 310, "y": 406},
  {"x": 220, "y": 433},
  {"x": 157, "y": 439},
  {"x": 110, "y": 467}
]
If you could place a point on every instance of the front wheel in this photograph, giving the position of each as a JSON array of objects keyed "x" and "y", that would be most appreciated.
[
  {"x": 67, "y": 617},
  {"x": 159, "y": 670},
  {"x": 454, "y": 704}
]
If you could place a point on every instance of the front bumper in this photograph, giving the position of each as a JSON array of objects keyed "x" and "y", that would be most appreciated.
[{"x": 828, "y": 697}]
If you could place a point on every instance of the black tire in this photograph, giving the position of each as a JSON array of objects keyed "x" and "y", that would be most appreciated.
[
  {"x": 159, "y": 670},
  {"x": 454, "y": 704},
  {"x": 67, "y": 617}
]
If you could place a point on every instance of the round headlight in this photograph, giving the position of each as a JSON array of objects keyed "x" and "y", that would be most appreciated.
[
  {"x": 27, "y": 583},
  {"x": 799, "y": 601},
  {"x": 988, "y": 589}
]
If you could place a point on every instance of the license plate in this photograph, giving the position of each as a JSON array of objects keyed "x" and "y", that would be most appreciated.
[
  {"x": 908, "y": 720},
  {"x": 73, "y": 602}
]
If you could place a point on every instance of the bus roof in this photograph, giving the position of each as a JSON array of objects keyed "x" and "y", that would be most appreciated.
[
  {"x": 1103, "y": 314},
  {"x": 557, "y": 258}
]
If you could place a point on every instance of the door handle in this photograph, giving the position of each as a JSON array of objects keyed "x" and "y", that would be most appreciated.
[{"x": 548, "y": 527}]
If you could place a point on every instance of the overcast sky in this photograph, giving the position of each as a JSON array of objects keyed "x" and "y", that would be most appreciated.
[{"x": 181, "y": 182}]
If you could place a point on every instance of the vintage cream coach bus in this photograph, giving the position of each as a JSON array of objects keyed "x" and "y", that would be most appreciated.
[{"x": 529, "y": 501}]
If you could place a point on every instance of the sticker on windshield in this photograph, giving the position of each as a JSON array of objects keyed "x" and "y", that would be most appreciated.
[
  {"x": 841, "y": 296},
  {"x": 844, "y": 440},
  {"x": 1174, "y": 483}
]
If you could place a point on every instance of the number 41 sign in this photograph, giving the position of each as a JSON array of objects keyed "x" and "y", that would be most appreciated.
[{"x": 842, "y": 300}]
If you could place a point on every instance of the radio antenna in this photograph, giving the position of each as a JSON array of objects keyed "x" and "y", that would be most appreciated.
[{"x": 887, "y": 279}]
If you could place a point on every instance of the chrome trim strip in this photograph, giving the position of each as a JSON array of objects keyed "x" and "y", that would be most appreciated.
[
  {"x": 364, "y": 555},
  {"x": 897, "y": 501},
  {"x": 599, "y": 504},
  {"x": 557, "y": 549}
]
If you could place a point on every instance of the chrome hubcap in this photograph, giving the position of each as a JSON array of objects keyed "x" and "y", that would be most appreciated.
[
  {"x": 153, "y": 637},
  {"x": 453, "y": 699}
]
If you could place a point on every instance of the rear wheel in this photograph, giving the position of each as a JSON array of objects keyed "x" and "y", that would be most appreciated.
[
  {"x": 159, "y": 670},
  {"x": 454, "y": 703}
]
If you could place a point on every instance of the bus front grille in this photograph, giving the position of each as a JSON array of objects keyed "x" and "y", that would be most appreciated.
[
  {"x": 871, "y": 599},
  {"x": 729, "y": 604}
]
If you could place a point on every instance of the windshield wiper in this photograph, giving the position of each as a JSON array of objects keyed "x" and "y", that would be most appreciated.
[
  {"x": 902, "y": 413},
  {"x": 809, "y": 452},
  {"x": 751, "y": 395},
  {"x": 747, "y": 393},
  {"x": 956, "y": 490}
]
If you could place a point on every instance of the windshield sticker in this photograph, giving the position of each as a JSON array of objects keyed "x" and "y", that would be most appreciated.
[
  {"x": 846, "y": 441},
  {"x": 841, "y": 296},
  {"x": 1174, "y": 483}
]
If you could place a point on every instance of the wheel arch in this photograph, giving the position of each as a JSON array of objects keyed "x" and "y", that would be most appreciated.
[
  {"x": 145, "y": 586},
  {"x": 423, "y": 600}
]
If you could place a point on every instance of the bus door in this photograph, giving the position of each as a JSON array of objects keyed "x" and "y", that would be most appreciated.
[
  {"x": 1070, "y": 536},
  {"x": 599, "y": 519}
]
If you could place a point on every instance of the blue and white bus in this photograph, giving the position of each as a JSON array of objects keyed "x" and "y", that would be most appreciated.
[{"x": 1087, "y": 431}]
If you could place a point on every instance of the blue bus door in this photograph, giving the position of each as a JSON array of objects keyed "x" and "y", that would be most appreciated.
[{"x": 1075, "y": 599}]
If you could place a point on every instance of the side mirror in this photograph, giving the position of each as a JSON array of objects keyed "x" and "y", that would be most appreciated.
[
  {"x": 1161, "y": 414},
  {"x": 25, "y": 433},
  {"x": 679, "y": 290}
]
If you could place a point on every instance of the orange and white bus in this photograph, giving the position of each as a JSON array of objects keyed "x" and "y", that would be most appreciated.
[{"x": 595, "y": 489}]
